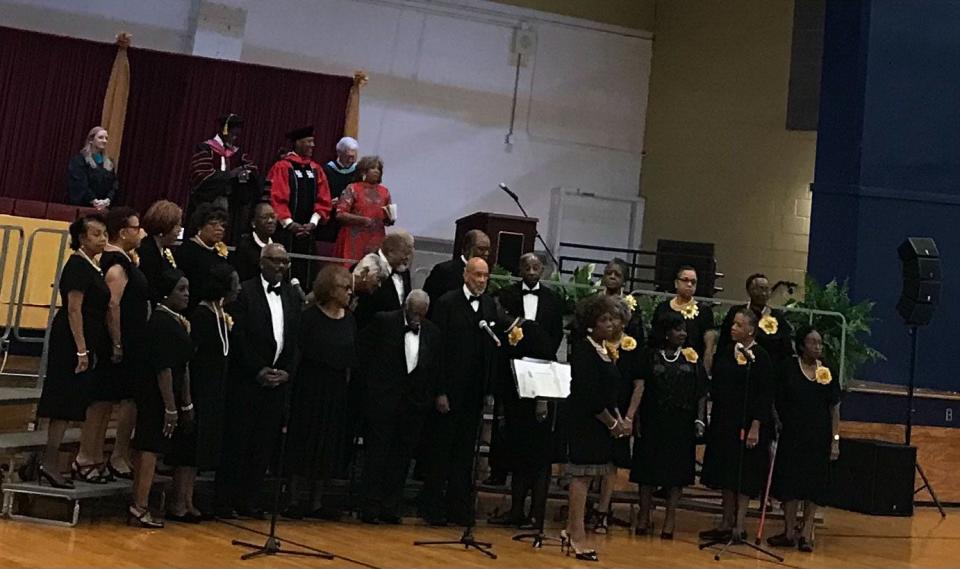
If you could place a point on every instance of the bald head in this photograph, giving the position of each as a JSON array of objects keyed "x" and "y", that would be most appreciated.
[
  {"x": 475, "y": 275},
  {"x": 476, "y": 243},
  {"x": 397, "y": 247},
  {"x": 531, "y": 269}
]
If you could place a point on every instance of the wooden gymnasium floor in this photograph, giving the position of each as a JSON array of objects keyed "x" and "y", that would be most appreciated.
[{"x": 846, "y": 540}]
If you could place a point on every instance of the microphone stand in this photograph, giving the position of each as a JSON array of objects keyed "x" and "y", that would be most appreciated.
[
  {"x": 735, "y": 538},
  {"x": 516, "y": 199}
]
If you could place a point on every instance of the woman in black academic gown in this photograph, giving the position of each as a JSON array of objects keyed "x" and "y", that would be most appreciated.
[
  {"x": 773, "y": 330},
  {"x": 204, "y": 248},
  {"x": 738, "y": 382},
  {"x": 701, "y": 333},
  {"x": 669, "y": 401},
  {"x": 808, "y": 404}
]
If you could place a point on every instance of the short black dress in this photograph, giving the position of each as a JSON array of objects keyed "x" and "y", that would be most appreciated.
[
  {"x": 319, "y": 417},
  {"x": 697, "y": 325},
  {"x": 66, "y": 395},
  {"x": 727, "y": 391},
  {"x": 665, "y": 453},
  {"x": 594, "y": 387},
  {"x": 802, "y": 470},
  {"x": 120, "y": 379},
  {"x": 170, "y": 348}
]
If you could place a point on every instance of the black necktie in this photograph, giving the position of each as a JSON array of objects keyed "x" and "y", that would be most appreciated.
[
  {"x": 533, "y": 292},
  {"x": 411, "y": 328},
  {"x": 275, "y": 289}
]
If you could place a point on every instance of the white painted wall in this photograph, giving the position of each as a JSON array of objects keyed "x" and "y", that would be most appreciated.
[{"x": 438, "y": 104}]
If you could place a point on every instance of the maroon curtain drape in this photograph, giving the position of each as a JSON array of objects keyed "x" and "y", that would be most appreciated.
[{"x": 51, "y": 95}]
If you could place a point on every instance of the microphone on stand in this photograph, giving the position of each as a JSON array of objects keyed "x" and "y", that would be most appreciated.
[
  {"x": 746, "y": 353},
  {"x": 509, "y": 192},
  {"x": 486, "y": 328},
  {"x": 295, "y": 283},
  {"x": 546, "y": 247}
]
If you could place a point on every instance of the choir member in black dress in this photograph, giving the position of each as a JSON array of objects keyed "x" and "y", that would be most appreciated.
[
  {"x": 448, "y": 275},
  {"x": 300, "y": 195},
  {"x": 264, "y": 356},
  {"x": 669, "y": 403},
  {"x": 397, "y": 252},
  {"x": 738, "y": 384},
  {"x": 223, "y": 177},
  {"x": 701, "y": 332},
  {"x": 204, "y": 248},
  {"x": 318, "y": 446},
  {"x": 614, "y": 277},
  {"x": 808, "y": 404},
  {"x": 199, "y": 448},
  {"x": 79, "y": 347},
  {"x": 162, "y": 223},
  {"x": 246, "y": 257},
  {"x": 92, "y": 181},
  {"x": 773, "y": 330},
  {"x": 593, "y": 420},
  {"x": 468, "y": 359},
  {"x": 127, "y": 316},
  {"x": 399, "y": 358},
  {"x": 164, "y": 403},
  {"x": 340, "y": 172}
]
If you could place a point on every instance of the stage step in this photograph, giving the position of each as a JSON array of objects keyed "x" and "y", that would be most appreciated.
[{"x": 20, "y": 371}]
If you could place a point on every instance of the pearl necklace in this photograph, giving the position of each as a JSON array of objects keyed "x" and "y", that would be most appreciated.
[
  {"x": 176, "y": 316},
  {"x": 676, "y": 355},
  {"x": 89, "y": 260},
  {"x": 222, "y": 330},
  {"x": 804, "y": 372}
]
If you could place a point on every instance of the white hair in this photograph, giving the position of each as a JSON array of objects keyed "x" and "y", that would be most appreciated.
[
  {"x": 347, "y": 143},
  {"x": 374, "y": 265},
  {"x": 417, "y": 295}
]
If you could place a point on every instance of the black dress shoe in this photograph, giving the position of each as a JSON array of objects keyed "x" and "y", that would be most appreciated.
[
  {"x": 804, "y": 545},
  {"x": 716, "y": 534},
  {"x": 325, "y": 513},
  {"x": 225, "y": 514},
  {"x": 186, "y": 518},
  {"x": 507, "y": 519},
  {"x": 372, "y": 520},
  {"x": 495, "y": 480},
  {"x": 390, "y": 520},
  {"x": 781, "y": 540},
  {"x": 252, "y": 513},
  {"x": 436, "y": 522},
  {"x": 293, "y": 513}
]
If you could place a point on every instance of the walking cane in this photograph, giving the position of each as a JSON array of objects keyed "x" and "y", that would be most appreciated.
[{"x": 766, "y": 494}]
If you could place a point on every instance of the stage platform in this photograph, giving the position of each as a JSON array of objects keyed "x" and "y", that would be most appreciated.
[{"x": 847, "y": 540}]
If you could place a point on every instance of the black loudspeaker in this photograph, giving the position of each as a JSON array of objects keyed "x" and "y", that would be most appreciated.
[
  {"x": 921, "y": 280},
  {"x": 672, "y": 255},
  {"x": 874, "y": 477}
]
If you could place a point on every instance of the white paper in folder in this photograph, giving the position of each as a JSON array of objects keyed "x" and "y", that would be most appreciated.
[{"x": 541, "y": 378}]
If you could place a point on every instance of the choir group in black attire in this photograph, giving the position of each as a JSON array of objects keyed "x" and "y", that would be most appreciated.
[{"x": 217, "y": 367}]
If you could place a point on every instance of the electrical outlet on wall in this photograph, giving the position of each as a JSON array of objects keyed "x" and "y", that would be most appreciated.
[{"x": 948, "y": 415}]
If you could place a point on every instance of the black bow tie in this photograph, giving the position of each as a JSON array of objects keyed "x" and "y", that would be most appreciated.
[
  {"x": 473, "y": 299},
  {"x": 275, "y": 289},
  {"x": 533, "y": 292},
  {"x": 411, "y": 328}
]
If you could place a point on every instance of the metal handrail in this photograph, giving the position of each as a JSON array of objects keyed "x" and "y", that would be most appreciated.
[{"x": 11, "y": 305}]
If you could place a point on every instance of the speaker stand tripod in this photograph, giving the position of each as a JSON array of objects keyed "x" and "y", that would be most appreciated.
[{"x": 915, "y": 341}]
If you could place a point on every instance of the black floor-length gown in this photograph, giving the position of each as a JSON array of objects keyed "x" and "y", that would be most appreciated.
[
  {"x": 66, "y": 395},
  {"x": 727, "y": 391},
  {"x": 802, "y": 470},
  {"x": 121, "y": 379},
  {"x": 665, "y": 452}
]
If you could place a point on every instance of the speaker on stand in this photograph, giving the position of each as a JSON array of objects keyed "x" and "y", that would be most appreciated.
[{"x": 919, "y": 298}]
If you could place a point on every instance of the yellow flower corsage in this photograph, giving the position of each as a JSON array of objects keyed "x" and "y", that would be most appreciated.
[
  {"x": 613, "y": 349},
  {"x": 690, "y": 355},
  {"x": 689, "y": 311},
  {"x": 741, "y": 359},
  {"x": 221, "y": 249},
  {"x": 823, "y": 375},
  {"x": 630, "y": 301},
  {"x": 769, "y": 325},
  {"x": 515, "y": 335},
  {"x": 628, "y": 343},
  {"x": 168, "y": 255},
  {"x": 228, "y": 320}
]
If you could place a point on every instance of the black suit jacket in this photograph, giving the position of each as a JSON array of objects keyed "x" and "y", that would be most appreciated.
[
  {"x": 468, "y": 355},
  {"x": 384, "y": 299},
  {"x": 383, "y": 364},
  {"x": 549, "y": 311},
  {"x": 253, "y": 331},
  {"x": 443, "y": 278}
]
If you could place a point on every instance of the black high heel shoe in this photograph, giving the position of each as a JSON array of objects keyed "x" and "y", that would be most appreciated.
[
  {"x": 602, "y": 526},
  {"x": 644, "y": 530},
  {"x": 116, "y": 474},
  {"x": 89, "y": 473},
  {"x": 142, "y": 518},
  {"x": 667, "y": 535},
  {"x": 52, "y": 480},
  {"x": 568, "y": 547}
]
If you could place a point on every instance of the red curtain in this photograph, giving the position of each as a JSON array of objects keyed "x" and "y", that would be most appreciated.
[{"x": 51, "y": 95}]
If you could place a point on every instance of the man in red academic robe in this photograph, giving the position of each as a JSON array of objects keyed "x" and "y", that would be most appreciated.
[{"x": 300, "y": 196}]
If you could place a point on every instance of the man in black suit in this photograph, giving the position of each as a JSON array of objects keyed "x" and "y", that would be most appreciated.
[
  {"x": 246, "y": 257},
  {"x": 396, "y": 251},
  {"x": 399, "y": 354},
  {"x": 448, "y": 275},
  {"x": 264, "y": 358},
  {"x": 467, "y": 360}
]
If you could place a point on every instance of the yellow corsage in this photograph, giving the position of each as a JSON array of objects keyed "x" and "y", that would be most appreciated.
[
  {"x": 823, "y": 375},
  {"x": 690, "y": 355},
  {"x": 168, "y": 255},
  {"x": 741, "y": 359},
  {"x": 228, "y": 321},
  {"x": 613, "y": 350},
  {"x": 515, "y": 335},
  {"x": 628, "y": 343},
  {"x": 689, "y": 311},
  {"x": 769, "y": 325},
  {"x": 630, "y": 301},
  {"x": 221, "y": 249}
]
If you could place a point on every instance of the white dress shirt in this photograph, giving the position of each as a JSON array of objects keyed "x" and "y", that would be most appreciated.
[
  {"x": 475, "y": 304},
  {"x": 531, "y": 302},
  {"x": 411, "y": 348},
  {"x": 396, "y": 278},
  {"x": 276, "y": 316}
]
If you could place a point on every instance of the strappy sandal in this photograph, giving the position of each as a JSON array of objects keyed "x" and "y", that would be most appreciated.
[
  {"x": 89, "y": 473},
  {"x": 142, "y": 518},
  {"x": 602, "y": 526}
]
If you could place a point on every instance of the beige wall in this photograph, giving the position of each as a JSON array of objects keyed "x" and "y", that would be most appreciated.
[
  {"x": 637, "y": 14},
  {"x": 720, "y": 166}
]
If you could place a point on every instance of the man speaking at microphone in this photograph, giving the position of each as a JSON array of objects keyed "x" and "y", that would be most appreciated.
[{"x": 464, "y": 317}]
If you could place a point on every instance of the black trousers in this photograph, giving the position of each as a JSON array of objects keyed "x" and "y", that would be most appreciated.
[
  {"x": 390, "y": 437},
  {"x": 533, "y": 480},
  {"x": 255, "y": 416},
  {"x": 449, "y": 475}
]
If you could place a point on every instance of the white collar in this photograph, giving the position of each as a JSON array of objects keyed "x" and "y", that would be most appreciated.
[
  {"x": 525, "y": 287},
  {"x": 261, "y": 244},
  {"x": 467, "y": 294},
  {"x": 464, "y": 259},
  {"x": 220, "y": 140},
  {"x": 384, "y": 257}
]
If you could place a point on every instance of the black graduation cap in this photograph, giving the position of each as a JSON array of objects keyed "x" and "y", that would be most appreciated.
[
  {"x": 298, "y": 133},
  {"x": 228, "y": 121}
]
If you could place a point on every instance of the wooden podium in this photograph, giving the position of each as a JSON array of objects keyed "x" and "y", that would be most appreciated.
[{"x": 510, "y": 236}]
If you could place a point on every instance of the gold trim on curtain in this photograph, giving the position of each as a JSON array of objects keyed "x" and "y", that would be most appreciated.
[
  {"x": 352, "y": 126},
  {"x": 115, "y": 100}
]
